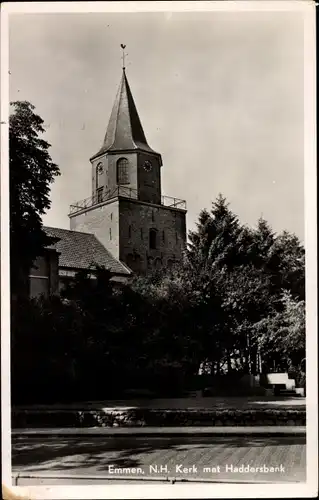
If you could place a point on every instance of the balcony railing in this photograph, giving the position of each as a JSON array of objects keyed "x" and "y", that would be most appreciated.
[
  {"x": 125, "y": 192},
  {"x": 168, "y": 201}
]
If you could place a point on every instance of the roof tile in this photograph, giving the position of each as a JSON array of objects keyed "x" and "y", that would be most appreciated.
[{"x": 81, "y": 250}]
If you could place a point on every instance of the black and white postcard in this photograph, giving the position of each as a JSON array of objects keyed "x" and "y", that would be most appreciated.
[{"x": 158, "y": 249}]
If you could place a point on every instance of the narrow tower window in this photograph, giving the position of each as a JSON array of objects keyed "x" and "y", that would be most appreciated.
[
  {"x": 153, "y": 238},
  {"x": 129, "y": 232},
  {"x": 163, "y": 236},
  {"x": 122, "y": 171},
  {"x": 99, "y": 195},
  {"x": 98, "y": 176}
]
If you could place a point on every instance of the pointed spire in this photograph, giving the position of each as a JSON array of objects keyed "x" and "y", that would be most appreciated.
[{"x": 124, "y": 131}]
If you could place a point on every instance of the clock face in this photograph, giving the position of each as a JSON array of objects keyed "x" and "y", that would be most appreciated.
[{"x": 147, "y": 166}]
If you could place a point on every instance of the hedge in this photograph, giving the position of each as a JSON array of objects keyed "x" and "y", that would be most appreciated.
[{"x": 156, "y": 418}]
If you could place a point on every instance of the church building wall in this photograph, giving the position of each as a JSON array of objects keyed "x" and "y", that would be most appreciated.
[
  {"x": 108, "y": 178},
  {"x": 132, "y": 169},
  {"x": 136, "y": 221},
  {"x": 44, "y": 277},
  {"x": 149, "y": 182},
  {"x": 103, "y": 222},
  {"x": 104, "y": 161}
]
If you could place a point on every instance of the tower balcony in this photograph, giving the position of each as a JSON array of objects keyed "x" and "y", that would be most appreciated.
[{"x": 102, "y": 196}]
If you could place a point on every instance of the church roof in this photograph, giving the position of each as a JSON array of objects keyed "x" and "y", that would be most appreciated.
[
  {"x": 124, "y": 130},
  {"x": 82, "y": 250}
]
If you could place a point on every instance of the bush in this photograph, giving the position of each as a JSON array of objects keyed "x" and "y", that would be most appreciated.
[
  {"x": 301, "y": 380},
  {"x": 157, "y": 418}
]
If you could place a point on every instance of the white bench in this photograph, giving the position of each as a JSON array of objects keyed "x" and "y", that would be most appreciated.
[{"x": 273, "y": 379}]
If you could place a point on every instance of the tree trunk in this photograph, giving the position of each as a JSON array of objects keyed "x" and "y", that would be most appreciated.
[
  {"x": 218, "y": 367},
  {"x": 248, "y": 354},
  {"x": 228, "y": 362},
  {"x": 259, "y": 362}
]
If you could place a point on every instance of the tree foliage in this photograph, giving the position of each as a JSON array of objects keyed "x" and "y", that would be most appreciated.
[
  {"x": 237, "y": 295},
  {"x": 31, "y": 173},
  {"x": 281, "y": 335}
]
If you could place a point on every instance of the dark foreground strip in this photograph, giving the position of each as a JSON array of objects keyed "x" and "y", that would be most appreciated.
[{"x": 139, "y": 417}]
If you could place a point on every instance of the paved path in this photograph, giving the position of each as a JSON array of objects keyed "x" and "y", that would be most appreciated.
[
  {"x": 162, "y": 431},
  {"x": 86, "y": 459},
  {"x": 182, "y": 403}
]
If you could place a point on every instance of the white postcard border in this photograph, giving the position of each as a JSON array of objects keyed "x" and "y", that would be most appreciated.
[{"x": 217, "y": 490}]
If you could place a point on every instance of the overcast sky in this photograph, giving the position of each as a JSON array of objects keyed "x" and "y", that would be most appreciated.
[{"x": 219, "y": 94}]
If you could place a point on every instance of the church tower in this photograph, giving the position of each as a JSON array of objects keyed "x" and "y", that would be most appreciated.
[{"x": 126, "y": 210}]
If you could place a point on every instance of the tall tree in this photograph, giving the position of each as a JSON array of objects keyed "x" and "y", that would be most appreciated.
[
  {"x": 281, "y": 336},
  {"x": 31, "y": 173},
  {"x": 216, "y": 237},
  {"x": 281, "y": 257},
  {"x": 291, "y": 268}
]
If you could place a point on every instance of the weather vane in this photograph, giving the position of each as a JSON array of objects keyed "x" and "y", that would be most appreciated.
[{"x": 123, "y": 55}]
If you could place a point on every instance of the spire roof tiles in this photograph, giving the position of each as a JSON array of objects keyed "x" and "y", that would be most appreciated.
[{"x": 124, "y": 131}]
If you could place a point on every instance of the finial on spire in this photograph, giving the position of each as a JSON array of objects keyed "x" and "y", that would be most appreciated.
[{"x": 123, "y": 55}]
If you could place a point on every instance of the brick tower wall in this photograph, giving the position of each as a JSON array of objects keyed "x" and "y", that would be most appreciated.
[{"x": 135, "y": 221}]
